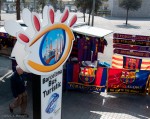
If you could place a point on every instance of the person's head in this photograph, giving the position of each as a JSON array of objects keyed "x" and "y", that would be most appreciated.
[{"x": 19, "y": 70}]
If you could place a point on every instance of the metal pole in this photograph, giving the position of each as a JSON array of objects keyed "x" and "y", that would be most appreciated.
[{"x": 93, "y": 11}]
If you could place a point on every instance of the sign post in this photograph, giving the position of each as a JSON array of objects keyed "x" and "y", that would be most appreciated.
[
  {"x": 51, "y": 95},
  {"x": 42, "y": 49}
]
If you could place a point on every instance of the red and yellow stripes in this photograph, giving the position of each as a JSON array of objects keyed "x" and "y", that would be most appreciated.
[{"x": 117, "y": 62}]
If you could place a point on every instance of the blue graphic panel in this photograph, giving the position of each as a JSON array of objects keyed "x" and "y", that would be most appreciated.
[{"x": 52, "y": 46}]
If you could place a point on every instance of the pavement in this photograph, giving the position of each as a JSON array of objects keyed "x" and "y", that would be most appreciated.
[{"x": 82, "y": 105}]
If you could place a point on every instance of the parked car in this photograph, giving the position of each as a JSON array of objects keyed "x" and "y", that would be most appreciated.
[{"x": 73, "y": 9}]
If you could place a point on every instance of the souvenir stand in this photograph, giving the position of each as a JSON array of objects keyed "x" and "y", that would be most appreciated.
[
  {"x": 130, "y": 64},
  {"x": 82, "y": 71},
  {"x": 6, "y": 42}
]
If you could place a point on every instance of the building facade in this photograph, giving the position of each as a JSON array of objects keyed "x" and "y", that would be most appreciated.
[{"x": 117, "y": 11}]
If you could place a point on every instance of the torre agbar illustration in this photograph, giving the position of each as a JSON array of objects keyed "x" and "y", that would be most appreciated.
[{"x": 54, "y": 51}]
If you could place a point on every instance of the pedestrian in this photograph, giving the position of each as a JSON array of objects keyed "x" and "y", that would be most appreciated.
[{"x": 18, "y": 91}]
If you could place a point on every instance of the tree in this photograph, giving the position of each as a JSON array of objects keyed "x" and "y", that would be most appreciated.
[
  {"x": 18, "y": 9},
  {"x": 81, "y": 4},
  {"x": 25, "y": 3},
  {"x": 42, "y": 3},
  {"x": 1, "y": 2},
  {"x": 87, "y": 5},
  {"x": 0, "y": 9},
  {"x": 54, "y": 3},
  {"x": 130, "y": 5}
]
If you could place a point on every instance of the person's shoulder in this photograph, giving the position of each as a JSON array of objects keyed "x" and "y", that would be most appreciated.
[{"x": 14, "y": 75}]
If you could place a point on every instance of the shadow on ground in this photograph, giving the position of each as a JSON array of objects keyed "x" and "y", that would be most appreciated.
[
  {"x": 123, "y": 18},
  {"x": 128, "y": 26},
  {"x": 95, "y": 106}
]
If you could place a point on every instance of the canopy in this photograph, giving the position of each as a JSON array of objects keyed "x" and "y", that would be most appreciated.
[{"x": 91, "y": 31}]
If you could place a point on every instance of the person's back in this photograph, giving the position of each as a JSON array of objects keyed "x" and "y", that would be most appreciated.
[
  {"x": 19, "y": 91},
  {"x": 17, "y": 84}
]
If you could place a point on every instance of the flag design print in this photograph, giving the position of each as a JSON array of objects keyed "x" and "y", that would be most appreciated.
[{"x": 118, "y": 62}]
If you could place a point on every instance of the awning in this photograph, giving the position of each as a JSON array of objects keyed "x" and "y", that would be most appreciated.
[{"x": 91, "y": 31}]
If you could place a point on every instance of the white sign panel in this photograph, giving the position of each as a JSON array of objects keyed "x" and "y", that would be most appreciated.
[
  {"x": 51, "y": 95},
  {"x": 43, "y": 40}
]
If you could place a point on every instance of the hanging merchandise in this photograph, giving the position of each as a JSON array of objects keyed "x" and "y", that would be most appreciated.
[
  {"x": 130, "y": 64},
  {"x": 119, "y": 62},
  {"x": 134, "y": 51},
  {"x": 82, "y": 72},
  {"x": 131, "y": 42},
  {"x": 129, "y": 81},
  {"x": 88, "y": 47},
  {"x": 98, "y": 45},
  {"x": 130, "y": 36},
  {"x": 6, "y": 35},
  {"x": 86, "y": 78},
  {"x": 132, "y": 47},
  {"x": 84, "y": 48}
]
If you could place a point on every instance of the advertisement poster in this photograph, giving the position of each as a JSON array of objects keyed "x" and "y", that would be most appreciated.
[
  {"x": 86, "y": 78},
  {"x": 51, "y": 95},
  {"x": 129, "y": 81}
]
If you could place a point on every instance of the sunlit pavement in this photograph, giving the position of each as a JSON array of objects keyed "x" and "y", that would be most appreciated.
[{"x": 82, "y": 105}]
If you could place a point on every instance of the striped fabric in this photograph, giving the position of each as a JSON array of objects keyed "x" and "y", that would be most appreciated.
[{"x": 117, "y": 62}]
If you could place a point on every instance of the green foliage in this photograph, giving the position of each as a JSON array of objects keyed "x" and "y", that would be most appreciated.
[
  {"x": 87, "y": 5},
  {"x": 45, "y": 2},
  {"x": 130, "y": 4},
  {"x": 81, "y": 4}
]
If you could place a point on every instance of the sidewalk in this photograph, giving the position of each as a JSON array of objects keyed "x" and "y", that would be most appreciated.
[{"x": 79, "y": 105}]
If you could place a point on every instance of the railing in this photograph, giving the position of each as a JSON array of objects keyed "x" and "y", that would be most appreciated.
[{"x": 103, "y": 13}]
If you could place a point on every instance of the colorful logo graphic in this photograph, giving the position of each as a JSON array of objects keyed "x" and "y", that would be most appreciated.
[
  {"x": 87, "y": 75},
  {"x": 128, "y": 77},
  {"x": 52, "y": 50},
  {"x": 52, "y": 103},
  {"x": 47, "y": 43}
]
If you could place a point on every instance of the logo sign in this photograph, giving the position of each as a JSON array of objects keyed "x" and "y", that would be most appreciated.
[
  {"x": 51, "y": 95},
  {"x": 45, "y": 44},
  {"x": 129, "y": 81},
  {"x": 87, "y": 75},
  {"x": 42, "y": 48},
  {"x": 52, "y": 103},
  {"x": 128, "y": 77}
]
